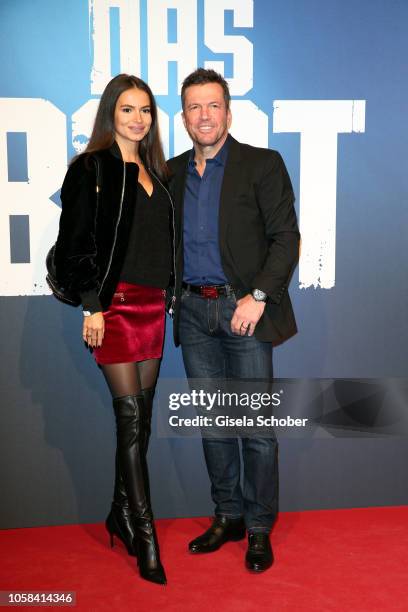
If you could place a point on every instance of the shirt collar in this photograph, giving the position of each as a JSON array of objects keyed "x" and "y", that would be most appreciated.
[{"x": 220, "y": 159}]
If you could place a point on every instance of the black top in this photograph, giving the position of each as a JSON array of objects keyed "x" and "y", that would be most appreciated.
[{"x": 148, "y": 258}]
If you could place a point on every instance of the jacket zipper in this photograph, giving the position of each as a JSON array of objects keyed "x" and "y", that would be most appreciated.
[
  {"x": 173, "y": 299},
  {"x": 116, "y": 229}
]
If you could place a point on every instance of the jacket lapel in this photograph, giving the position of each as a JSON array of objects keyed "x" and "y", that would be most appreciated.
[
  {"x": 228, "y": 188},
  {"x": 178, "y": 183}
]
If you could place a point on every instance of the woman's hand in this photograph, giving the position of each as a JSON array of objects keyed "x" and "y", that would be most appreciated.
[{"x": 93, "y": 329}]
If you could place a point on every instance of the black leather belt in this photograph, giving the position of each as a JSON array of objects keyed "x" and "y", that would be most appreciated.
[{"x": 212, "y": 292}]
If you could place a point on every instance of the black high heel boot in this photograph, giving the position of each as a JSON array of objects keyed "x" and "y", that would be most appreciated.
[
  {"x": 118, "y": 520},
  {"x": 129, "y": 412}
]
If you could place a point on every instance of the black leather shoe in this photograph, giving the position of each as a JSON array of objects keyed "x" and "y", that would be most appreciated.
[
  {"x": 259, "y": 555},
  {"x": 222, "y": 530}
]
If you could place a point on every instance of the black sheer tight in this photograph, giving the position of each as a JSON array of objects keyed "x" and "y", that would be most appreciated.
[{"x": 130, "y": 378}]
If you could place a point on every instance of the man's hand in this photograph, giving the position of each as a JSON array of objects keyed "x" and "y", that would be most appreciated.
[
  {"x": 93, "y": 329},
  {"x": 246, "y": 315}
]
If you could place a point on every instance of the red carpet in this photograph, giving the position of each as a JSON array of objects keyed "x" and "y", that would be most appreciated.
[{"x": 348, "y": 560}]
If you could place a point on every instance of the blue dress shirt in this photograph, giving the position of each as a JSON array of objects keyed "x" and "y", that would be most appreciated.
[{"x": 202, "y": 260}]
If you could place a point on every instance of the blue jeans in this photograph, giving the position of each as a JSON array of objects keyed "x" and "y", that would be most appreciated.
[{"x": 211, "y": 351}]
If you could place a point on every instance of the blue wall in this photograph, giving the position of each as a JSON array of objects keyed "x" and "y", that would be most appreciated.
[{"x": 57, "y": 428}]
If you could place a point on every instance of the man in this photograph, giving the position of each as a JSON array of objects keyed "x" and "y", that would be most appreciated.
[{"x": 237, "y": 244}]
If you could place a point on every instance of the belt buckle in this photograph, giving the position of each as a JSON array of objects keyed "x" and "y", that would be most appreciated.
[{"x": 209, "y": 292}]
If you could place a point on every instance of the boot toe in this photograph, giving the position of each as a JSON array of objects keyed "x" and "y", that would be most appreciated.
[{"x": 157, "y": 575}]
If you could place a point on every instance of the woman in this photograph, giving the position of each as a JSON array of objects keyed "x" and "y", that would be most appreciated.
[{"x": 114, "y": 249}]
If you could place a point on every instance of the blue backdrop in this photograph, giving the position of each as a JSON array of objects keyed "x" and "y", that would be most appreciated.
[{"x": 319, "y": 50}]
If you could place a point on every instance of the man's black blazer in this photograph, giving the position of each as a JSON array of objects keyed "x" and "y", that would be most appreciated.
[{"x": 258, "y": 232}]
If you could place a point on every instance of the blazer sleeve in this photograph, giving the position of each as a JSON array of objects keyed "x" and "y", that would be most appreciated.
[
  {"x": 75, "y": 251},
  {"x": 276, "y": 199}
]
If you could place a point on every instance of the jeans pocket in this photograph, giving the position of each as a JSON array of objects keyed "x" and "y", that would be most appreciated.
[{"x": 232, "y": 296}]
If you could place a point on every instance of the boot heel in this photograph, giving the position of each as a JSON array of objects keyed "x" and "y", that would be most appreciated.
[{"x": 117, "y": 524}]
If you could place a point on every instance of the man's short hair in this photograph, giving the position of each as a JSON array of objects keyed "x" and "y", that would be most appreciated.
[{"x": 202, "y": 76}]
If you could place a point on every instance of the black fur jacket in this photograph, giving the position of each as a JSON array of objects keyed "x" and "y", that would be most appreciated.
[{"x": 94, "y": 227}]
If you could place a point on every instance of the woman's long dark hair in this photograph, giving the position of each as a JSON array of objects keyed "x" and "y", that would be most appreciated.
[{"x": 103, "y": 133}]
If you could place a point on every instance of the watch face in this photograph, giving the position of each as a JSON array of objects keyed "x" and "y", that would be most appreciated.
[{"x": 259, "y": 296}]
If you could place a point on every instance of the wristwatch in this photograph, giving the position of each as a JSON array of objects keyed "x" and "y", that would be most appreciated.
[
  {"x": 87, "y": 313},
  {"x": 259, "y": 295}
]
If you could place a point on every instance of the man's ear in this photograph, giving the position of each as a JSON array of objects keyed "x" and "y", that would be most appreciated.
[{"x": 184, "y": 119}]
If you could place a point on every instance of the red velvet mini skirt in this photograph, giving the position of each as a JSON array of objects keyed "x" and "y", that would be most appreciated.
[{"x": 134, "y": 325}]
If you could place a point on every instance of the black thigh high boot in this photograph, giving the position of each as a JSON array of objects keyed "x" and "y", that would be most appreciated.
[
  {"x": 130, "y": 413},
  {"x": 118, "y": 520}
]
